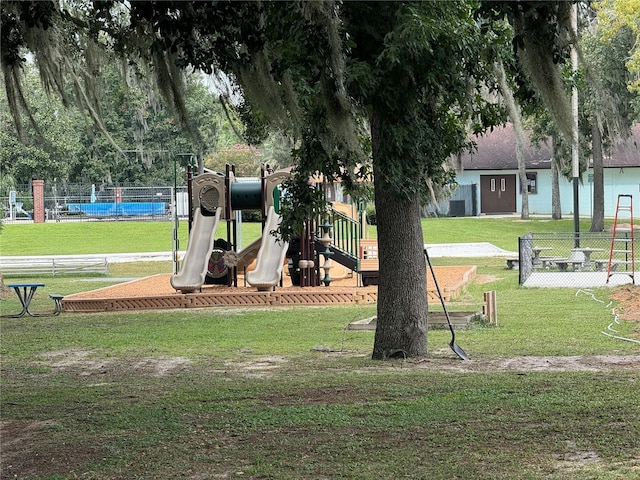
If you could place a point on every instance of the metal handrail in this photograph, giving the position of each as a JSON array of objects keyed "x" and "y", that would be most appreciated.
[{"x": 345, "y": 232}]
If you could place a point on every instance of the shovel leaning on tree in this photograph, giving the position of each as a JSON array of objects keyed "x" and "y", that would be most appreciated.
[{"x": 454, "y": 346}]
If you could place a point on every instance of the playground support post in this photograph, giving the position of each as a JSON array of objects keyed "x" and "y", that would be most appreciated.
[
  {"x": 232, "y": 238},
  {"x": 190, "y": 192},
  {"x": 174, "y": 205}
]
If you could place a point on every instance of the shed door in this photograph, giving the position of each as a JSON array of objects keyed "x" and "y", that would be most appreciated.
[{"x": 497, "y": 193}]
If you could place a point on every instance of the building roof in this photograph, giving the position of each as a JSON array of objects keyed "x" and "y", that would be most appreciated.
[{"x": 496, "y": 150}]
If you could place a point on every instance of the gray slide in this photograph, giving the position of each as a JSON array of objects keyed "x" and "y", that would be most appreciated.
[
  {"x": 270, "y": 256},
  {"x": 196, "y": 259}
]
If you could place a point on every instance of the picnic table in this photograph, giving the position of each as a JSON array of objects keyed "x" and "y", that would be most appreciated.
[
  {"x": 536, "y": 253},
  {"x": 25, "y": 293},
  {"x": 549, "y": 262},
  {"x": 586, "y": 251},
  {"x": 563, "y": 264}
]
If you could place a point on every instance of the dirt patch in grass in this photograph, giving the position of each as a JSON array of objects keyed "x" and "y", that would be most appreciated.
[
  {"x": 85, "y": 362},
  {"x": 91, "y": 362},
  {"x": 260, "y": 367},
  {"x": 31, "y": 449},
  {"x": 483, "y": 279},
  {"x": 628, "y": 297},
  {"x": 575, "y": 458},
  {"x": 586, "y": 363}
]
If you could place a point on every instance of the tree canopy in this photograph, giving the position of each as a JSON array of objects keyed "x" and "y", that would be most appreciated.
[{"x": 614, "y": 16}]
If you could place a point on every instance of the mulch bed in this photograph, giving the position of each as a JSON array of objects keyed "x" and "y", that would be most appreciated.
[
  {"x": 450, "y": 279},
  {"x": 156, "y": 293}
]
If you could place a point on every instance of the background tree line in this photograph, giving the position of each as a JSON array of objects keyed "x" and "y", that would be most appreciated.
[{"x": 65, "y": 145}]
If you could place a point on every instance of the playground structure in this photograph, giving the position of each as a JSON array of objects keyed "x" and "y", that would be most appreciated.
[
  {"x": 338, "y": 234},
  {"x": 331, "y": 236},
  {"x": 214, "y": 197}
]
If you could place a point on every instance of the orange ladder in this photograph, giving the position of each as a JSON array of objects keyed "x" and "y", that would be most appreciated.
[{"x": 622, "y": 250}]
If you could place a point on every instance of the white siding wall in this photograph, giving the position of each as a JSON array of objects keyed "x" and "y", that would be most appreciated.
[{"x": 615, "y": 182}]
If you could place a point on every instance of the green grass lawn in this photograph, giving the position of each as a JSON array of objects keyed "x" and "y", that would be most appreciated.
[
  {"x": 74, "y": 238},
  {"x": 77, "y": 238},
  {"x": 503, "y": 232},
  {"x": 289, "y": 393}
]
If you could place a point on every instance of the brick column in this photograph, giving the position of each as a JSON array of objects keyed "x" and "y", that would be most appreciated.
[{"x": 38, "y": 201}]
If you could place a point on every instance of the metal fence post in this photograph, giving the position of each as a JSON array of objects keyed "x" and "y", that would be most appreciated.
[{"x": 525, "y": 255}]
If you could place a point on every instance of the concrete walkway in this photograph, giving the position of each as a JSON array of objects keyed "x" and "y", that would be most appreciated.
[
  {"x": 111, "y": 257},
  {"x": 578, "y": 279},
  {"x": 470, "y": 250},
  {"x": 480, "y": 249}
]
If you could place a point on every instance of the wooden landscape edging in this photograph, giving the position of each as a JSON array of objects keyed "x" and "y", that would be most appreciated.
[
  {"x": 103, "y": 300},
  {"x": 228, "y": 299}
]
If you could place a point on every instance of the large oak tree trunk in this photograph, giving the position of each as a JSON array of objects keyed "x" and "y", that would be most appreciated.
[
  {"x": 556, "y": 207},
  {"x": 597, "y": 220},
  {"x": 402, "y": 298}
]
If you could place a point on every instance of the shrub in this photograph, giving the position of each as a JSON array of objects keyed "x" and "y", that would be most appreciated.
[
  {"x": 371, "y": 215},
  {"x": 251, "y": 216}
]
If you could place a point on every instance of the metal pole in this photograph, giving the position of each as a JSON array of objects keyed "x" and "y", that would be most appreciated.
[
  {"x": 175, "y": 242},
  {"x": 575, "y": 159}
]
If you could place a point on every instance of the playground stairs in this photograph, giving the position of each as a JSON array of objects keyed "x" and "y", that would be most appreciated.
[
  {"x": 345, "y": 236},
  {"x": 362, "y": 258},
  {"x": 341, "y": 256},
  {"x": 349, "y": 249}
]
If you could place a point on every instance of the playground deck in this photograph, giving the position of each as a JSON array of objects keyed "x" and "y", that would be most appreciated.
[{"x": 156, "y": 293}]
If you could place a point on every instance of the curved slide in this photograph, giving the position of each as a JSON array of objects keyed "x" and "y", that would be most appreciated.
[
  {"x": 196, "y": 259},
  {"x": 270, "y": 256}
]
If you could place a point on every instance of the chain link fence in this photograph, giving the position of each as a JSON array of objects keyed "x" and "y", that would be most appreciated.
[
  {"x": 569, "y": 259},
  {"x": 81, "y": 202}
]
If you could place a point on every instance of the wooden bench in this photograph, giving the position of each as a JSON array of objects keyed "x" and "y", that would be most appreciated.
[
  {"x": 512, "y": 263},
  {"x": 53, "y": 266}
]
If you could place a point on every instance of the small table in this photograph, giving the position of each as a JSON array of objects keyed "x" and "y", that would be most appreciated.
[
  {"x": 25, "y": 292},
  {"x": 587, "y": 251}
]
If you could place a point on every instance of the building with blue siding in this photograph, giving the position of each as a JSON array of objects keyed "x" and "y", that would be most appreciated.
[{"x": 493, "y": 170}]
